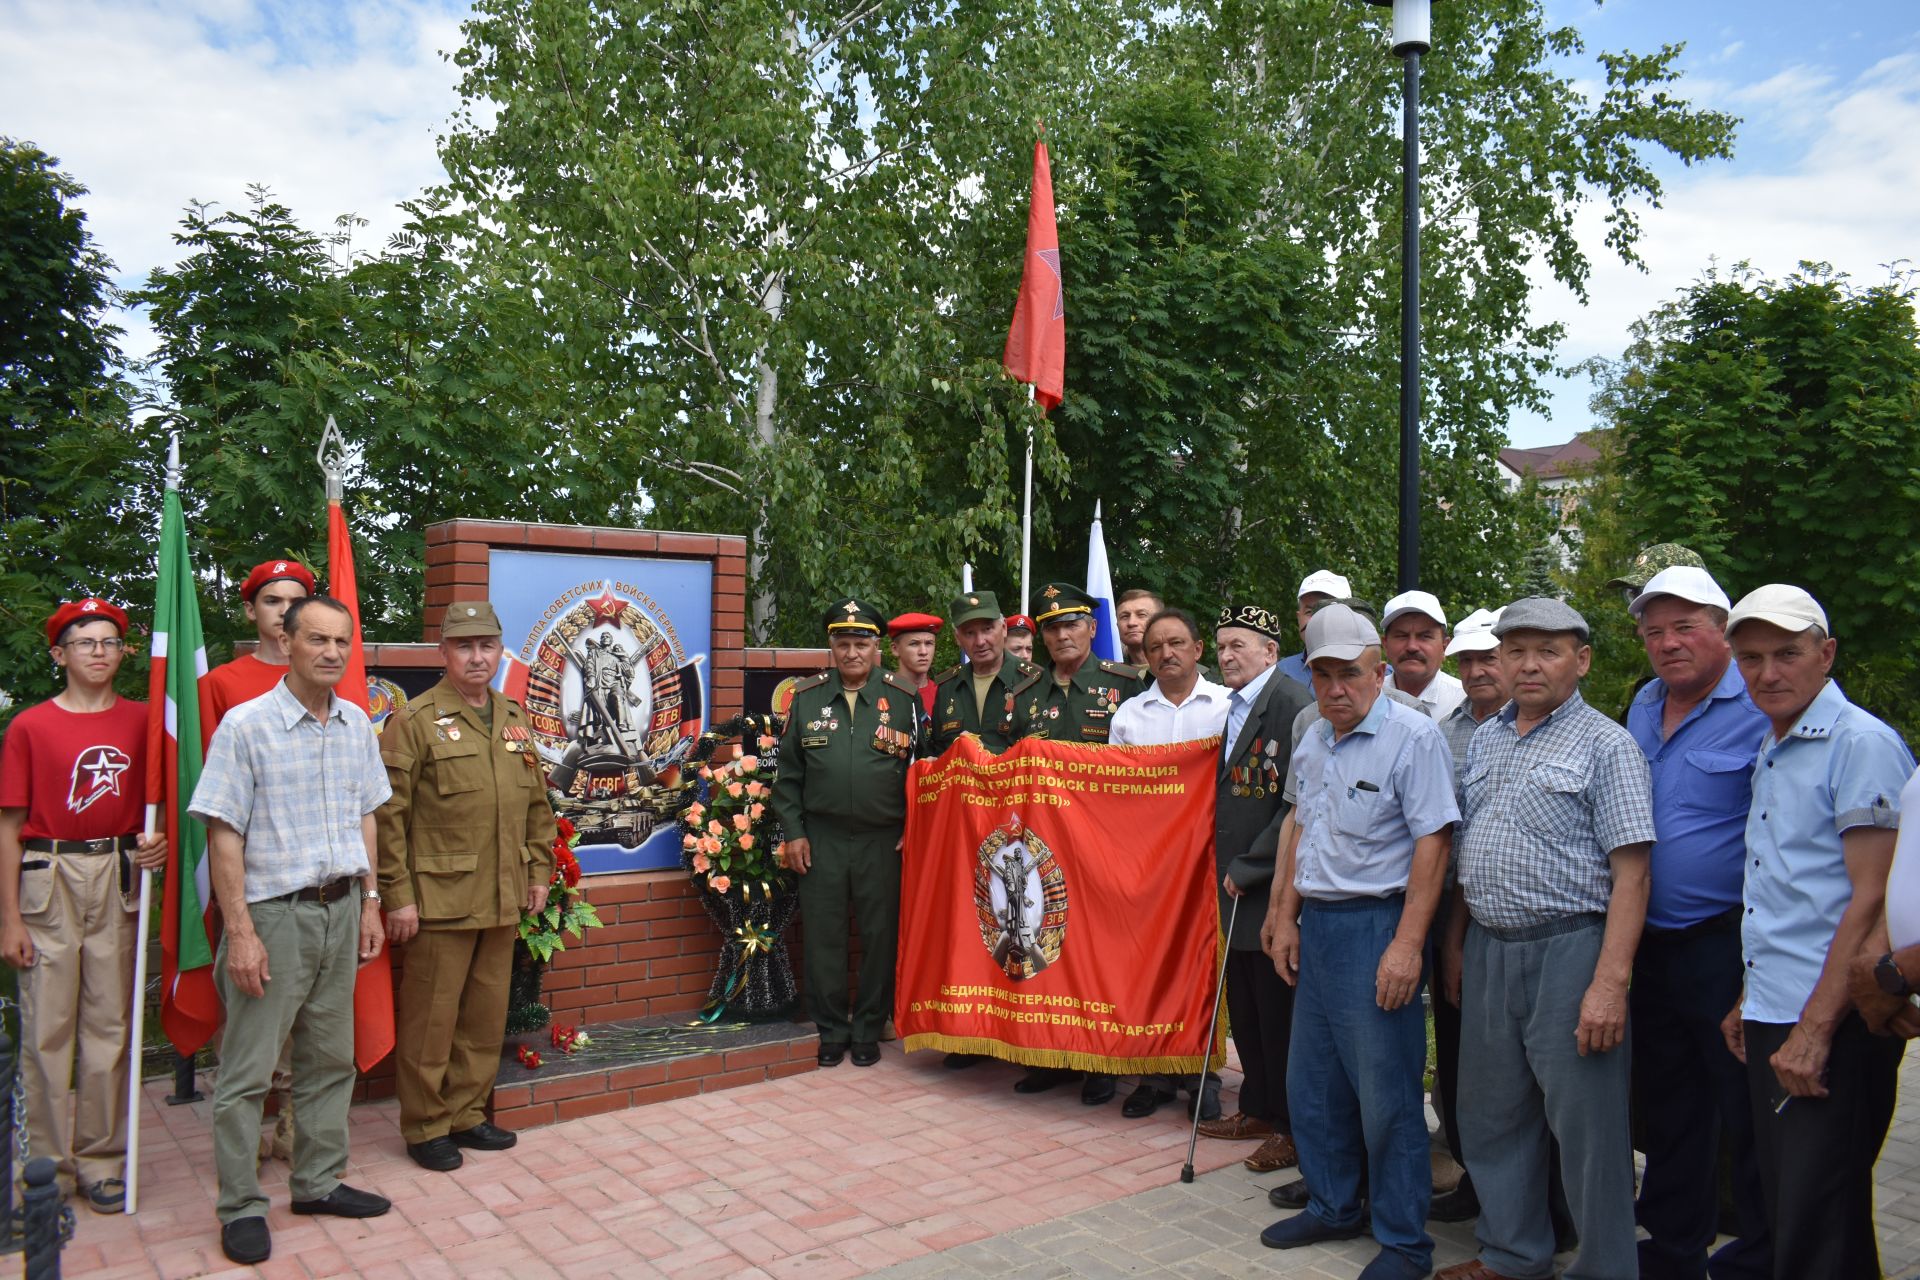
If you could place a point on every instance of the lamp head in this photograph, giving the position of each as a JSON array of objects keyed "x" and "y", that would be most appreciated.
[{"x": 1412, "y": 25}]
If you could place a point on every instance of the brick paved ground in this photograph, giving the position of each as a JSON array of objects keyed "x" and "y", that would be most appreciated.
[{"x": 902, "y": 1170}]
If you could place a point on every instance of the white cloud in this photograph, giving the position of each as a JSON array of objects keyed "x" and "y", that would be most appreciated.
[
  {"x": 1846, "y": 194},
  {"x": 153, "y": 104}
]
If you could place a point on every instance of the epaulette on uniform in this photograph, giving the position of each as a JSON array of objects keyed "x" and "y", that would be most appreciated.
[
  {"x": 813, "y": 681},
  {"x": 888, "y": 677},
  {"x": 1028, "y": 681},
  {"x": 950, "y": 673},
  {"x": 1025, "y": 669},
  {"x": 1126, "y": 669}
]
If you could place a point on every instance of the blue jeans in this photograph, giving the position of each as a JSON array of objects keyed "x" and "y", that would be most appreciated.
[{"x": 1354, "y": 1079}]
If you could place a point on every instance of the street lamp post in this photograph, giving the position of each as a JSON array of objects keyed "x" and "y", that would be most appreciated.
[{"x": 1412, "y": 36}]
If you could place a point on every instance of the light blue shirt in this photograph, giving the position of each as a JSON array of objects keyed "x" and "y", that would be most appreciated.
[
  {"x": 1839, "y": 768},
  {"x": 296, "y": 788},
  {"x": 1240, "y": 706},
  {"x": 1366, "y": 799},
  {"x": 1294, "y": 667},
  {"x": 1702, "y": 787}
]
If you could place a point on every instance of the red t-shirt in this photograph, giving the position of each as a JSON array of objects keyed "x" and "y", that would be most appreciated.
[
  {"x": 230, "y": 684},
  {"x": 79, "y": 776}
]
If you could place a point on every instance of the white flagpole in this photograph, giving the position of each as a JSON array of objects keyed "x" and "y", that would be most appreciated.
[
  {"x": 966, "y": 578},
  {"x": 1026, "y": 519},
  {"x": 137, "y": 1028}
]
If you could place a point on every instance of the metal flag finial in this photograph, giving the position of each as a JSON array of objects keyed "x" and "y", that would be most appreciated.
[
  {"x": 174, "y": 471},
  {"x": 332, "y": 457}
]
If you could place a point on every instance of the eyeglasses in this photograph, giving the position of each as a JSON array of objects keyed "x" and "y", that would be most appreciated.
[{"x": 88, "y": 644}]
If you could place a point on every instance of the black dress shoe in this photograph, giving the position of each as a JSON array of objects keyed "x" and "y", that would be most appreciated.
[
  {"x": 346, "y": 1202},
  {"x": 961, "y": 1061},
  {"x": 1041, "y": 1079},
  {"x": 1144, "y": 1101},
  {"x": 438, "y": 1154},
  {"x": 1457, "y": 1205},
  {"x": 483, "y": 1137},
  {"x": 1288, "y": 1195},
  {"x": 246, "y": 1241},
  {"x": 830, "y": 1055},
  {"x": 865, "y": 1055},
  {"x": 1098, "y": 1090}
]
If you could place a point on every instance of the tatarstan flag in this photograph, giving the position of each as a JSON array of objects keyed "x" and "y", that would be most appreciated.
[
  {"x": 373, "y": 985},
  {"x": 189, "y": 1004}
]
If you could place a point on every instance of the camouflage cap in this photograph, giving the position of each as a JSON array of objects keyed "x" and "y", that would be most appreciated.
[{"x": 1651, "y": 560}]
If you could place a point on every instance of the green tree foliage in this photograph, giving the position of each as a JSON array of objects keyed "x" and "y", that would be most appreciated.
[
  {"x": 1774, "y": 427},
  {"x": 72, "y": 490}
]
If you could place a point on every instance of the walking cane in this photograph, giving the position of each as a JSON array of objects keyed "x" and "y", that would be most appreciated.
[{"x": 1206, "y": 1055}]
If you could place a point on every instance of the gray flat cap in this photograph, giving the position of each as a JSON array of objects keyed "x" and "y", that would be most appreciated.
[
  {"x": 1539, "y": 613},
  {"x": 1338, "y": 632}
]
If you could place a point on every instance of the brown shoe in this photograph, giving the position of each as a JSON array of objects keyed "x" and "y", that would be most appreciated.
[
  {"x": 1236, "y": 1128},
  {"x": 1275, "y": 1153},
  {"x": 1473, "y": 1269}
]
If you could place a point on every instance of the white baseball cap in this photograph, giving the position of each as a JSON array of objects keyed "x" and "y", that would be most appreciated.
[
  {"x": 1786, "y": 607},
  {"x": 1422, "y": 602},
  {"x": 1475, "y": 633},
  {"x": 1683, "y": 582},
  {"x": 1338, "y": 632},
  {"x": 1324, "y": 582}
]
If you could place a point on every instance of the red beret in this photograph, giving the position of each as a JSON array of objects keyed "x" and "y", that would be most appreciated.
[
  {"x": 276, "y": 571},
  {"x": 89, "y": 610},
  {"x": 914, "y": 622},
  {"x": 1020, "y": 622}
]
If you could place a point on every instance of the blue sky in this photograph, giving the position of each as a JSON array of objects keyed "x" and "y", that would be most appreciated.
[{"x": 335, "y": 104}]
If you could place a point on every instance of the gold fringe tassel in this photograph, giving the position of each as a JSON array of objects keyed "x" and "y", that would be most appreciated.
[{"x": 1166, "y": 1064}]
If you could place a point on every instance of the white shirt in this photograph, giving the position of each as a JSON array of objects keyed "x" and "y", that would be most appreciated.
[
  {"x": 1149, "y": 719},
  {"x": 1240, "y": 705},
  {"x": 1442, "y": 694}
]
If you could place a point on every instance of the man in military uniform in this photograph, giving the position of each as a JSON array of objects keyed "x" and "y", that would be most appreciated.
[
  {"x": 1074, "y": 702},
  {"x": 466, "y": 845},
  {"x": 841, "y": 796},
  {"x": 976, "y": 696}
]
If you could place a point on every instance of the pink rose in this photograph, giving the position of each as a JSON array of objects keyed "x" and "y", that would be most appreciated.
[
  {"x": 700, "y": 863},
  {"x": 710, "y": 845},
  {"x": 746, "y": 842},
  {"x": 756, "y": 789},
  {"x": 749, "y": 763},
  {"x": 690, "y": 841},
  {"x": 742, "y": 823},
  {"x": 768, "y": 742},
  {"x": 720, "y": 884},
  {"x": 755, "y": 810},
  {"x": 706, "y": 774},
  {"x": 714, "y": 828},
  {"x": 692, "y": 816},
  {"x": 734, "y": 789}
]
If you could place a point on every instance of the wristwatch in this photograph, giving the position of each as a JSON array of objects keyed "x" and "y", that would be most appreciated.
[
  {"x": 369, "y": 895},
  {"x": 1891, "y": 980}
]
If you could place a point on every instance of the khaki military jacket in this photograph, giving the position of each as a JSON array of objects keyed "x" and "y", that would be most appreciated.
[
  {"x": 955, "y": 713},
  {"x": 847, "y": 767},
  {"x": 469, "y": 824},
  {"x": 1080, "y": 711}
]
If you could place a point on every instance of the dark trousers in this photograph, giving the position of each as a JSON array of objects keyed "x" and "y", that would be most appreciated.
[
  {"x": 1446, "y": 1036},
  {"x": 1689, "y": 1091},
  {"x": 1816, "y": 1154},
  {"x": 855, "y": 874},
  {"x": 1260, "y": 1011}
]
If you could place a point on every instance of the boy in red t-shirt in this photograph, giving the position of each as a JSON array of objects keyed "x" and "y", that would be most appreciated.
[
  {"x": 269, "y": 592},
  {"x": 72, "y": 783}
]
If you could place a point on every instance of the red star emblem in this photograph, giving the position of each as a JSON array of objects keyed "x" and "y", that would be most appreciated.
[{"x": 607, "y": 607}]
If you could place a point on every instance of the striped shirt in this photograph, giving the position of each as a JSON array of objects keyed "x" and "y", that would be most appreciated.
[
  {"x": 296, "y": 788},
  {"x": 1544, "y": 813}
]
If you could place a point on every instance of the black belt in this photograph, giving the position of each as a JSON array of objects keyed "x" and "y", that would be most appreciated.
[
  {"x": 1547, "y": 928},
  {"x": 332, "y": 891},
  {"x": 112, "y": 844},
  {"x": 1727, "y": 921}
]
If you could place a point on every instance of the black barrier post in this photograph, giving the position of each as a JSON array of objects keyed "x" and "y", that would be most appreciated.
[
  {"x": 9, "y": 1225},
  {"x": 42, "y": 1212},
  {"x": 183, "y": 1090}
]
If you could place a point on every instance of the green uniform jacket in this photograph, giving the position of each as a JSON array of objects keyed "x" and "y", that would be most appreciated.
[
  {"x": 848, "y": 768},
  {"x": 1081, "y": 711},
  {"x": 469, "y": 821},
  {"x": 955, "y": 712}
]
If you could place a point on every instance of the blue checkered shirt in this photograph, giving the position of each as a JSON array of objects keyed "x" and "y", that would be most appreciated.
[
  {"x": 296, "y": 788},
  {"x": 1543, "y": 813}
]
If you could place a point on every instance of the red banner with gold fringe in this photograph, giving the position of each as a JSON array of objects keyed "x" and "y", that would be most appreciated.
[{"x": 1057, "y": 906}]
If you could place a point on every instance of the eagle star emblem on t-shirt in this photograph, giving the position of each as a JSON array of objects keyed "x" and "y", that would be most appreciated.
[{"x": 96, "y": 774}]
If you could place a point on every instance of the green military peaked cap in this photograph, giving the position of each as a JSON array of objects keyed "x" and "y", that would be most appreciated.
[
  {"x": 1651, "y": 560},
  {"x": 854, "y": 617},
  {"x": 1059, "y": 600},
  {"x": 974, "y": 606},
  {"x": 469, "y": 618}
]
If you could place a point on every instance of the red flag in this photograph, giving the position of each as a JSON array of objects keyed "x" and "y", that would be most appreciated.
[
  {"x": 1037, "y": 339},
  {"x": 373, "y": 985},
  {"x": 1057, "y": 906}
]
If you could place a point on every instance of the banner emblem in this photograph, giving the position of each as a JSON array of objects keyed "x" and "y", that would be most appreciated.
[{"x": 1021, "y": 894}]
